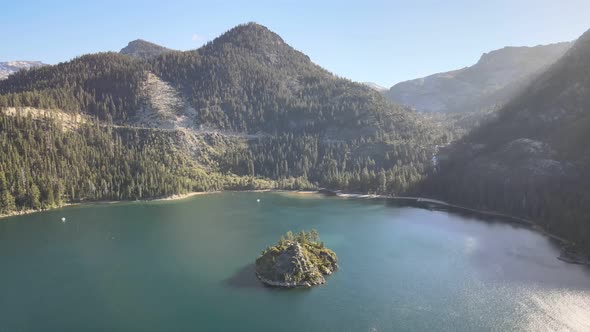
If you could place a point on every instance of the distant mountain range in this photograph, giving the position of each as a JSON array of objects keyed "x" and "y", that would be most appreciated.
[
  {"x": 9, "y": 67},
  {"x": 488, "y": 84},
  {"x": 532, "y": 161},
  {"x": 140, "y": 48},
  {"x": 375, "y": 86}
]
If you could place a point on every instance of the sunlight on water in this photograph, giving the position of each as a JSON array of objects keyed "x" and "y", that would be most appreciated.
[
  {"x": 555, "y": 310},
  {"x": 527, "y": 308},
  {"x": 470, "y": 245},
  {"x": 188, "y": 265}
]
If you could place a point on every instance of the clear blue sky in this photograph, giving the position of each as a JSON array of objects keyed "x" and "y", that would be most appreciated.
[{"x": 380, "y": 41}]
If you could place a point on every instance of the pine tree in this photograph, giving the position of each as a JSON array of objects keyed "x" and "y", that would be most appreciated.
[
  {"x": 7, "y": 203},
  {"x": 33, "y": 196}
]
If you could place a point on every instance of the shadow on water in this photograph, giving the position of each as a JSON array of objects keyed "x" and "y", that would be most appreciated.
[
  {"x": 245, "y": 277},
  {"x": 481, "y": 216}
]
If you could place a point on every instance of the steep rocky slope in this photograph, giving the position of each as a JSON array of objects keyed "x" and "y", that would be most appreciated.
[{"x": 296, "y": 261}]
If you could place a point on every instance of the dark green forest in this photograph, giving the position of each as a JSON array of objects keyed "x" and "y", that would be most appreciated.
[
  {"x": 43, "y": 166},
  {"x": 356, "y": 166},
  {"x": 309, "y": 127},
  {"x": 104, "y": 85},
  {"x": 268, "y": 117}
]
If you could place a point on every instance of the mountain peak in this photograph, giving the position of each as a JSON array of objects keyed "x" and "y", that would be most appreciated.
[
  {"x": 143, "y": 49},
  {"x": 522, "y": 55},
  {"x": 9, "y": 67},
  {"x": 258, "y": 42},
  {"x": 581, "y": 47},
  {"x": 250, "y": 35},
  {"x": 255, "y": 28}
]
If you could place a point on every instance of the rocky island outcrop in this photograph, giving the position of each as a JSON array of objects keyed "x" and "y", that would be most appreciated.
[{"x": 299, "y": 260}]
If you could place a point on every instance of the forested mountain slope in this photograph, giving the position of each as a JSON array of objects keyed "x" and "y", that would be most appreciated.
[
  {"x": 105, "y": 85},
  {"x": 250, "y": 80},
  {"x": 244, "y": 108},
  {"x": 534, "y": 159}
]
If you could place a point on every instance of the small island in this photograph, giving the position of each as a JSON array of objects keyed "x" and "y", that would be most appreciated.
[{"x": 299, "y": 260}]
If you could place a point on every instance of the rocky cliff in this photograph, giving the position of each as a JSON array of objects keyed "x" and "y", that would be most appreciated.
[{"x": 296, "y": 263}]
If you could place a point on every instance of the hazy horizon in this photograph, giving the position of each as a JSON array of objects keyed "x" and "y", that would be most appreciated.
[{"x": 380, "y": 42}]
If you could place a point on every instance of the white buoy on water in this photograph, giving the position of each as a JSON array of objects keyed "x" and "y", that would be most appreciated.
[
  {"x": 63, "y": 219},
  {"x": 258, "y": 200}
]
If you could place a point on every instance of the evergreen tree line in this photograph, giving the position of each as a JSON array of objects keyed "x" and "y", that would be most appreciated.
[
  {"x": 43, "y": 165},
  {"x": 105, "y": 85},
  {"x": 357, "y": 166},
  {"x": 561, "y": 204}
]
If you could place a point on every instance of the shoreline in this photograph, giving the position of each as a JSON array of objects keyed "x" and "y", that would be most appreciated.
[
  {"x": 567, "y": 255},
  {"x": 421, "y": 202},
  {"x": 178, "y": 197},
  {"x": 31, "y": 211},
  {"x": 175, "y": 197}
]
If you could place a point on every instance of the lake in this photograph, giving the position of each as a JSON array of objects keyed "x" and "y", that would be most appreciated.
[{"x": 187, "y": 265}]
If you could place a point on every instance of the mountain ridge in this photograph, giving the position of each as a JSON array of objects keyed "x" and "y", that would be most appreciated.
[
  {"x": 532, "y": 160},
  {"x": 375, "y": 86},
  {"x": 492, "y": 81},
  {"x": 242, "y": 111},
  {"x": 144, "y": 49},
  {"x": 10, "y": 67}
]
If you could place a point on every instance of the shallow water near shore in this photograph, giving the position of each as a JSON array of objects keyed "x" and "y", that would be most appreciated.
[{"x": 188, "y": 265}]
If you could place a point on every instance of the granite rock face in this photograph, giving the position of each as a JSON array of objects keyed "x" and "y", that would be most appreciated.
[
  {"x": 496, "y": 78},
  {"x": 9, "y": 67},
  {"x": 295, "y": 264}
]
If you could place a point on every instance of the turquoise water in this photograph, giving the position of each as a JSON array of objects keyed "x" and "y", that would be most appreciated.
[{"x": 187, "y": 266}]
